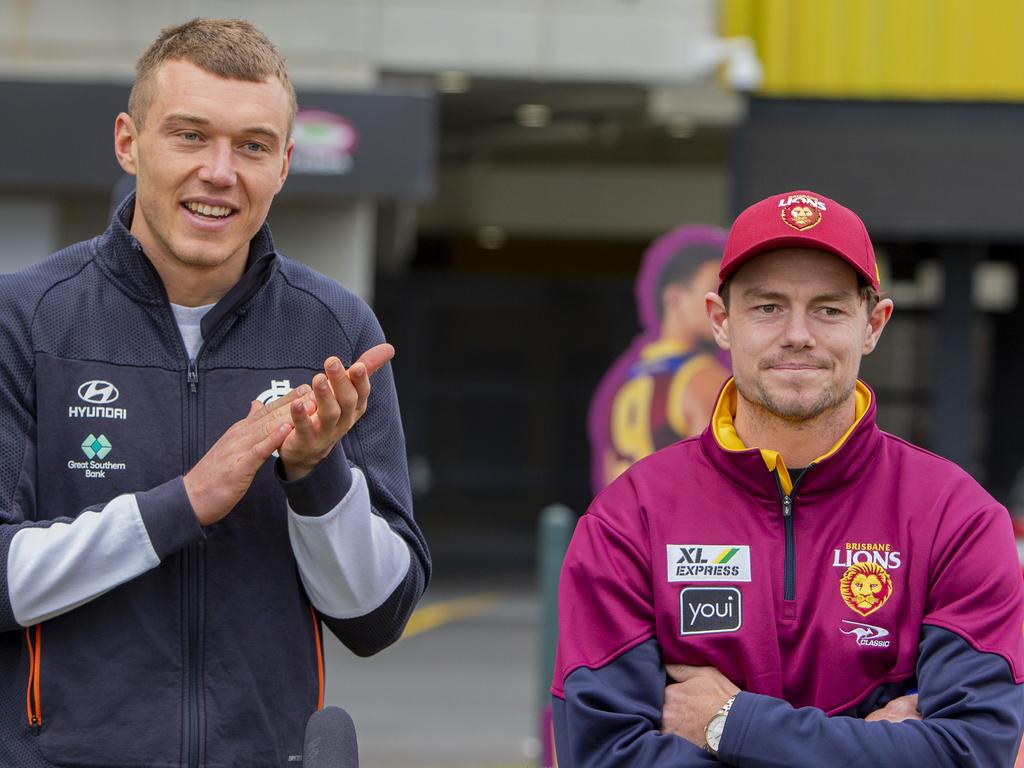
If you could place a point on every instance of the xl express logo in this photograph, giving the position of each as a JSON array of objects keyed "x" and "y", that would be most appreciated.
[
  {"x": 708, "y": 562},
  {"x": 99, "y": 395}
]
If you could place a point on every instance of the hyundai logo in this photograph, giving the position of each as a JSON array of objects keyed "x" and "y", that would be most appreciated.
[{"x": 99, "y": 392}]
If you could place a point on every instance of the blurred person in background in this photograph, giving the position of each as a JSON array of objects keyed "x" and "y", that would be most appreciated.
[
  {"x": 164, "y": 584},
  {"x": 794, "y": 587},
  {"x": 663, "y": 387}
]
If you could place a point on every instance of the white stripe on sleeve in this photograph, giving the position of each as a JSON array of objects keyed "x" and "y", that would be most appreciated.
[
  {"x": 350, "y": 559},
  {"x": 55, "y": 569}
]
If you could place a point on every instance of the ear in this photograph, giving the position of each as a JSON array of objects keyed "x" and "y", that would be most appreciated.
[
  {"x": 876, "y": 323},
  {"x": 126, "y": 143},
  {"x": 286, "y": 163},
  {"x": 718, "y": 315}
]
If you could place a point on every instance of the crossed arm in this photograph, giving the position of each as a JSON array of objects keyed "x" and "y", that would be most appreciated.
[{"x": 623, "y": 714}]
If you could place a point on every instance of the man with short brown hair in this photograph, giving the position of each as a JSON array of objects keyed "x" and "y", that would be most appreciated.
[
  {"x": 820, "y": 592},
  {"x": 164, "y": 584}
]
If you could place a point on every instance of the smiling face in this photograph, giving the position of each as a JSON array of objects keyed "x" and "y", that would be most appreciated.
[
  {"x": 209, "y": 158},
  {"x": 797, "y": 327}
]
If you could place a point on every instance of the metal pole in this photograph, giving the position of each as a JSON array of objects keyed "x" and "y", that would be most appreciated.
[{"x": 554, "y": 530}]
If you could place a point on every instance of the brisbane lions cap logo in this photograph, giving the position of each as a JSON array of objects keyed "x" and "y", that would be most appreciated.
[
  {"x": 865, "y": 587},
  {"x": 801, "y": 211}
]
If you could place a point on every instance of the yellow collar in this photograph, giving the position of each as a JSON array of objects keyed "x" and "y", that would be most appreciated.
[
  {"x": 724, "y": 430},
  {"x": 662, "y": 348}
]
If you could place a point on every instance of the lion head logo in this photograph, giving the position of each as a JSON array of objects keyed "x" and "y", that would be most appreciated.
[
  {"x": 865, "y": 587},
  {"x": 801, "y": 216}
]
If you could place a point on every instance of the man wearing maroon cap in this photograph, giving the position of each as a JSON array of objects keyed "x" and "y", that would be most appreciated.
[{"x": 822, "y": 593}]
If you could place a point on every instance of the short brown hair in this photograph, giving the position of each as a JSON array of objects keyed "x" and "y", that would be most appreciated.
[{"x": 230, "y": 48}]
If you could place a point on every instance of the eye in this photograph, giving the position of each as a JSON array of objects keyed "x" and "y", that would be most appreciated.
[
  {"x": 768, "y": 309},
  {"x": 189, "y": 136},
  {"x": 255, "y": 146},
  {"x": 831, "y": 311}
]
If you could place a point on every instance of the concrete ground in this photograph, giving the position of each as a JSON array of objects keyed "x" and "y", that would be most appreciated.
[{"x": 459, "y": 690}]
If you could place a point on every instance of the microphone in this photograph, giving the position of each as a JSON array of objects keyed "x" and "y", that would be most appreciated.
[{"x": 330, "y": 740}]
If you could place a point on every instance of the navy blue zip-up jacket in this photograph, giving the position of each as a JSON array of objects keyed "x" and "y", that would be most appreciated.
[{"x": 129, "y": 634}]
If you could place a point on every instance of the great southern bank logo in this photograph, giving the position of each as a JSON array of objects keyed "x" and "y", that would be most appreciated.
[
  {"x": 96, "y": 447},
  {"x": 99, "y": 394}
]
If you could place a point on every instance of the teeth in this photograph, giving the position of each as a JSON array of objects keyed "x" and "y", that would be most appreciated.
[{"x": 208, "y": 210}]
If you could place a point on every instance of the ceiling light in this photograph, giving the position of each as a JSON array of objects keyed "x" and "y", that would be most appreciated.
[
  {"x": 533, "y": 115},
  {"x": 491, "y": 237},
  {"x": 680, "y": 126},
  {"x": 451, "y": 81}
]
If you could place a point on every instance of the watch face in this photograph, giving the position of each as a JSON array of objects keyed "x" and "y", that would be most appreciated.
[{"x": 715, "y": 728}]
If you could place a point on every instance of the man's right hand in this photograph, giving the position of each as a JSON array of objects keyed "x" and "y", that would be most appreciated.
[
  {"x": 897, "y": 710},
  {"x": 220, "y": 479}
]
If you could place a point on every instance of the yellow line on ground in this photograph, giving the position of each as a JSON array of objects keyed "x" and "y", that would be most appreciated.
[{"x": 436, "y": 614}]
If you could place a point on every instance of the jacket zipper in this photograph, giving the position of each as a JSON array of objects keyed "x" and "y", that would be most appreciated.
[
  {"x": 789, "y": 565},
  {"x": 33, "y": 700},
  {"x": 192, "y": 576}
]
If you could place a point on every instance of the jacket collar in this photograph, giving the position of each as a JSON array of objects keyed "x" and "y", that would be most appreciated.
[
  {"x": 754, "y": 469},
  {"x": 121, "y": 256}
]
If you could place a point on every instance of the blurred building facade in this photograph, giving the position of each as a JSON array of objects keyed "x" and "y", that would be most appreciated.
[{"x": 527, "y": 152}]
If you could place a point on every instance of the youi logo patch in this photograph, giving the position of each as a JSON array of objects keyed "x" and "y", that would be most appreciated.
[{"x": 706, "y": 610}]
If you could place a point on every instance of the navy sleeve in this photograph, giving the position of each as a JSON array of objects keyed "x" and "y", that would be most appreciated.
[
  {"x": 611, "y": 716},
  {"x": 973, "y": 716},
  {"x": 376, "y": 446}
]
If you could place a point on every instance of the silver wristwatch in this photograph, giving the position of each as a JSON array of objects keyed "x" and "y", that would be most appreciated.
[{"x": 716, "y": 725}]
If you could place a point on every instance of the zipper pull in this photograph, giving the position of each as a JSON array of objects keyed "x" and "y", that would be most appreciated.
[
  {"x": 35, "y": 725},
  {"x": 787, "y": 506},
  {"x": 193, "y": 375}
]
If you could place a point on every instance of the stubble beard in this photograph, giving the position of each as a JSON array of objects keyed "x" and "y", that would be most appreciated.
[{"x": 797, "y": 410}]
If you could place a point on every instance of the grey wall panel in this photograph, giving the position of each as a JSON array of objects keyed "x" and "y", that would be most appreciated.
[
  {"x": 922, "y": 171},
  {"x": 59, "y": 136}
]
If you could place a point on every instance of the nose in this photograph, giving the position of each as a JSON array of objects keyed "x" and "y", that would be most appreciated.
[
  {"x": 797, "y": 333},
  {"x": 218, "y": 165}
]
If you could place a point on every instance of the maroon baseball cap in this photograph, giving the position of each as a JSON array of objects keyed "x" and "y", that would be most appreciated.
[{"x": 800, "y": 219}]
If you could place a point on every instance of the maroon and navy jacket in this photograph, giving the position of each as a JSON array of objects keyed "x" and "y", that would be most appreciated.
[{"x": 877, "y": 570}]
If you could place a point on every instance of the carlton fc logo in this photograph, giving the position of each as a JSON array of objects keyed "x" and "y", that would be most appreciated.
[
  {"x": 98, "y": 392},
  {"x": 278, "y": 388},
  {"x": 865, "y": 587},
  {"x": 801, "y": 211}
]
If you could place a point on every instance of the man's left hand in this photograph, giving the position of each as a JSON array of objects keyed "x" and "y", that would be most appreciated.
[
  {"x": 691, "y": 701},
  {"x": 340, "y": 400}
]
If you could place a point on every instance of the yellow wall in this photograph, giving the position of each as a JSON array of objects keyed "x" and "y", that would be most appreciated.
[{"x": 970, "y": 50}]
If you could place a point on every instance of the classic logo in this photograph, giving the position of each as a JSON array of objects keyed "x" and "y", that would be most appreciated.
[
  {"x": 865, "y": 587},
  {"x": 706, "y": 610},
  {"x": 801, "y": 211},
  {"x": 277, "y": 389},
  {"x": 98, "y": 392},
  {"x": 708, "y": 562},
  {"x": 867, "y": 634},
  {"x": 96, "y": 447}
]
